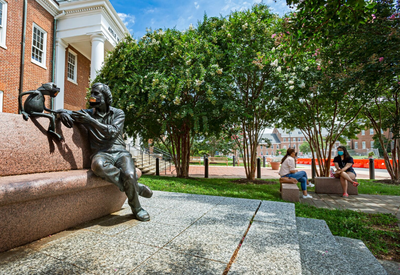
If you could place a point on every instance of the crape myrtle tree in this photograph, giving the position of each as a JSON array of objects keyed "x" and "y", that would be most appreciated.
[
  {"x": 370, "y": 48},
  {"x": 320, "y": 101},
  {"x": 379, "y": 42},
  {"x": 250, "y": 60},
  {"x": 170, "y": 86}
]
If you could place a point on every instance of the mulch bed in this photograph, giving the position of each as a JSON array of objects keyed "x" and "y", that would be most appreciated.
[{"x": 246, "y": 181}]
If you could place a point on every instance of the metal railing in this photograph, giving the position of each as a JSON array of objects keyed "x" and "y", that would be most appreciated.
[{"x": 144, "y": 156}]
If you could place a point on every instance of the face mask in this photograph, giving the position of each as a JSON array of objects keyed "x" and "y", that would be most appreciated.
[
  {"x": 94, "y": 101},
  {"x": 340, "y": 153}
]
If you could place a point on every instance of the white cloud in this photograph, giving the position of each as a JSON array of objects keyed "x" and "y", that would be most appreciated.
[
  {"x": 127, "y": 19},
  {"x": 196, "y": 5}
]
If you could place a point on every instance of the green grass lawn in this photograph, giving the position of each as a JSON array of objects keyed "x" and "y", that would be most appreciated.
[{"x": 378, "y": 231}]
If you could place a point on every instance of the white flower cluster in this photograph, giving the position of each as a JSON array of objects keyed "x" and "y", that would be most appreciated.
[
  {"x": 177, "y": 101},
  {"x": 245, "y": 26},
  {"x": 189, "y": 62},
  {"x": 275, "y": 63},
  {"x": 199, "y": 82}
]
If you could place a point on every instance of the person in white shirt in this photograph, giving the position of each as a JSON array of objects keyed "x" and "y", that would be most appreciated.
[{"x": 288, "y": 169}]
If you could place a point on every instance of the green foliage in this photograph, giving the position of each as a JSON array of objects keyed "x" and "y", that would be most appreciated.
[
  {"x": 170, "y": 86},
  {"x": 250, "y": 59},
  {"x": 305, "y": 148},
  {"x": 282, "y": 151},
  {"x": 377, "y": 144},
  {"x": 211, "y": 145}
]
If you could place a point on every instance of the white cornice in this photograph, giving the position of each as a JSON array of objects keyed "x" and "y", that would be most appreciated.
[
  {"x": 75, "y": 7},
  {"x": 50, "y": 6}
]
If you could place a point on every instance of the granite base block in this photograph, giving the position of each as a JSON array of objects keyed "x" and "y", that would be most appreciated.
[
  {"x": 327, "y": 185},
  {"x": 52, "y": 202}
]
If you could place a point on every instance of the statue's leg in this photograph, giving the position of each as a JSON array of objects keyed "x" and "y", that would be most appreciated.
[
  {"x": 52, "y": 125},
  {"x": 103, "y": 166},
  {"x": 132, "y": 189}
]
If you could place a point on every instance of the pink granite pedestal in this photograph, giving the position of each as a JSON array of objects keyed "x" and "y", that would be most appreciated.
[{"x": 45, "y": 184}]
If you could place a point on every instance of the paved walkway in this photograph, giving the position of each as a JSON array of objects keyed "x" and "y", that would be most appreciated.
[{"x": 195, "y": 234}]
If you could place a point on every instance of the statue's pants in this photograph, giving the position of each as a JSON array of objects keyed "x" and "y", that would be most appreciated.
[{"x": 118, "y": 168}]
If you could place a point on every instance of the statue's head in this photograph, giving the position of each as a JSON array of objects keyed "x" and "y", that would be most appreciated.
[
  {"x": 95, "y": 99},
  {"x": 50, "y": 89}
]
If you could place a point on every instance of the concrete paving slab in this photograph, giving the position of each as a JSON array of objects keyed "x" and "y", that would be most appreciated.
[
  {"x": 361, "y": 259},
  {"x": 269, "y": 249},
  {"x": 276, "y": 212},
  {"x": 235, "y": 224},
  {"x": 32, "y": 262},
  {"x": 172, "y": 262},
  {"x": 112, "y": 255},
  {"x": 152, "y": 233},
  {"x": 209, "y": 244},
  {"x": 71, "y": 244}
]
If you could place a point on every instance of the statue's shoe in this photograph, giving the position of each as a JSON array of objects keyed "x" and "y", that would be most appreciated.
[
  {"x": 141, "y": 215},
  {"x": 145, "y": 191}
]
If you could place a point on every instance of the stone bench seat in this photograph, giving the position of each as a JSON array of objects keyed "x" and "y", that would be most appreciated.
[
  {"x": 328, "y": 185},
  {"x": 37, "y": 205}
]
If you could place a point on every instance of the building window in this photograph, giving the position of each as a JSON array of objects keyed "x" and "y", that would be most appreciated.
[
  {"x": 277, "y": 146},
  {"x": 304, "y": 139},
  {"x": 261, "y": 153},
  {"x": 294, "y": 139},
  {"x": 371, "y": 131},
  {"x": 267, "y": 153},
  {"x": 284, "y": 147},
  {"x": 363, "y": 132},
  {"x": 363, "y": 145},
  {"x": 3, "y": 23},
  {"x": 261, "y": 147},
  {"x": 284, "y": 139},
  {"x": 356, "y": 145},
  {"x": 299, "y": 139},
  {"x": 39, "y": 42},
  {"x": 372, "y": 144},
  {"x": 381, "y": 131},
  {"x": 1, "y": 101},
  {"x": 72, "y": 66}
]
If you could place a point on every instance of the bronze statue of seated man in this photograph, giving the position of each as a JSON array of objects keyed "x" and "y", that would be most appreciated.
[{"x": 110, "y": 159}]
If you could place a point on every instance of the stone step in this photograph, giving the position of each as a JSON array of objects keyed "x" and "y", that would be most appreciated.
[
  {"x": 320, "y": 252},
  {"x": 361, "y": 259}
]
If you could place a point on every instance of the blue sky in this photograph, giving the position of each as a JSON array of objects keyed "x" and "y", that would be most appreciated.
[{"x": 141, "y": 14}]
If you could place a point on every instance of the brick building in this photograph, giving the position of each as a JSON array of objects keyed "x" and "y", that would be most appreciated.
[
  {"x": 65, "y": 42},
  {"x": 365, "y": 142}
]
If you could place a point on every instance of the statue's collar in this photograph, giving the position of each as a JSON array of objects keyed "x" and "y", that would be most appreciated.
[{"x": 110, "y": 111}]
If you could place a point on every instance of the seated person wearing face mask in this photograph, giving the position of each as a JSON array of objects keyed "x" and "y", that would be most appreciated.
[{"x": 344, "y": 169}]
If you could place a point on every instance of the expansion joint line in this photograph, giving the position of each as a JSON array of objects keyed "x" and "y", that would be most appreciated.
[{"x": 235, "y": 254}]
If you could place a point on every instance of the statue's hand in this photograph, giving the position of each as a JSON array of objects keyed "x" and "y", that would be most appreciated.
[
  {"x": 82, "y": 117},
  {"x": 66, "y": 118}
]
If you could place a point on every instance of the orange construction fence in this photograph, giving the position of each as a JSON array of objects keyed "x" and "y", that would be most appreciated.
[{"x": 358, "y": 163}]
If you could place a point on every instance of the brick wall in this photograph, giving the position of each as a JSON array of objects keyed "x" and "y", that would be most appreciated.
[
  {"x": 10, "y": 58},
  {"x": 75, "y": 93}
]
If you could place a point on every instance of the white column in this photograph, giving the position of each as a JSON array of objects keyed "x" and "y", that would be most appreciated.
[
  {"x": 59, "y": 79},
  {"x": 97, "y": 57}
]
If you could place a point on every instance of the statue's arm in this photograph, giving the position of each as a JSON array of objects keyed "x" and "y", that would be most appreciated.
[
  {"x": 65, "y": 116},
  {"x": 111, "y": 131}
]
